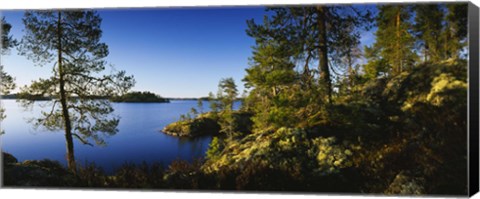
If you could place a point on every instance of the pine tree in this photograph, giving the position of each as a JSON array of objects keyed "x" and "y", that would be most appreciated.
[
  {"x": 428, "y": 28},
  {"x": 227, "y": 94},
  {"x": 312, "y": 33},
  {"x": 376, "y": 66},
  {"x": 456, "y": 29},
  {"x": 69, "y": 42},
  {"x": 6, "y": 81},
  {"x": 271, "y": 75},
  {"x": 200, "y": 105},
  {"x": 394, "y": 41}
]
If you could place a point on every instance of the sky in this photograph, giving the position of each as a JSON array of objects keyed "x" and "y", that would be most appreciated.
[{"x": 173, "y": 52}]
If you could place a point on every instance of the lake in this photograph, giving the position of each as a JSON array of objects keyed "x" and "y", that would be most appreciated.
[{"x": 139, "y": 138}]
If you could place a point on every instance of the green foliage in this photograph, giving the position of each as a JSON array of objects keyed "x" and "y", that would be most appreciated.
[
  {"x": 428, "y": 27},
  {"x": 184, "y": 175},
  {"x": 456, "y": 29},
  {"x": 228, "y": 92},
  {"x": 271, "y": 75},
  {"x": 222, "y": 106},
  {"x": 6, "y": 39},
  {"x": 422, "y": 124},
  {"x": 394, "y": 42},
  {"x": 214, "y": 105},
  {"x": 138, "y": 176},
  {"x": 200, "y": 105},
  {"x": 216, "y": 146},
  {"x": 38, "y": 173},
  {"x": 210, "y": 124},
  {"x": 287, "y": 90},
  {"x": 91, "y": 176},
  {"x": 201, "y": 125},
  {"x": 6, "y": 81},
  {"x": 391, "y": 135},
  {"x": 226, "y": 96},
  {"x": 144, "y": 96},
  {"x": 227, "y": 125},
  {"x": 376, "y": 66}
]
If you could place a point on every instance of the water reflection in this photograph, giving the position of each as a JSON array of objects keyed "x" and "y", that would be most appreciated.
[{"x": 194, "y": 146}]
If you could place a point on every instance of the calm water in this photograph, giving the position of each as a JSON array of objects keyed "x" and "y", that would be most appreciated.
[{"x": 139, "y": 137}]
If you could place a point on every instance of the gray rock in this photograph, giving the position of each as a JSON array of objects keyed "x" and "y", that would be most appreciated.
[{"x": 406, "y": 184}]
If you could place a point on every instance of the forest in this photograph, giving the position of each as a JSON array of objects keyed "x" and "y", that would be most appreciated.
[{"x": 321, "y": 113}]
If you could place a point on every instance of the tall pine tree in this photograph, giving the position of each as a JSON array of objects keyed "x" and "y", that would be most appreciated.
[
  {"x": 313, "y": 34},
  {"x": 456, "y": 29},
  {"x": 394, "y": 41},
  {"x": 69, "y": 42},
  {"x": 428, "y": 29},
  {"x": 296, "y": 50}
]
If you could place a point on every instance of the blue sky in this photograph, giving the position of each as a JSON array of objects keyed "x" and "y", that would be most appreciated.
[{"x": 174, "y": 52}]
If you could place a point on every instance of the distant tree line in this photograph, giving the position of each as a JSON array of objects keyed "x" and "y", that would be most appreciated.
[{"x": 144, "y": 96}]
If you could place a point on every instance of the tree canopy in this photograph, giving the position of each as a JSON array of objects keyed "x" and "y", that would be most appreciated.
[{"x": 7, "y": 82}]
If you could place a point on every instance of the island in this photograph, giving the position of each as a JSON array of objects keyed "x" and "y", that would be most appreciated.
[
  {"x": 137, "y": 96},
  {"x": 210, "y": 123}
]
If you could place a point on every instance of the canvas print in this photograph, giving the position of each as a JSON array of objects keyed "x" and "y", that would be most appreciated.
[{"x": 327, "y": 98}]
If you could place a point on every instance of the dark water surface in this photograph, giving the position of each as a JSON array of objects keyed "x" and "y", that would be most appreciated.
[{"x": 139, "y": 138}]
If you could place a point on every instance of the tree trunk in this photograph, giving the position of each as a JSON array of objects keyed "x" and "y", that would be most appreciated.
[
  {"x": 63, "y": 100},
  {"x": 350, "y": 70},
  {"x": 399, "y": 57},
  {"x": 445, "y": 43},
  {"x": 425, "y": 52},
  {"x": 306, "y": 73},
  {"x": 325, "y": 81}
]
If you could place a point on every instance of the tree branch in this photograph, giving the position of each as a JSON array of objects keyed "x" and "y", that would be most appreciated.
[{"x": 82, "y": 140}]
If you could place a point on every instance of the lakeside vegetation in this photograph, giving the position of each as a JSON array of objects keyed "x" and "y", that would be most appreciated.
[
  {"x": 222, "y": 119},
  {"x": 321, "y": 113}
]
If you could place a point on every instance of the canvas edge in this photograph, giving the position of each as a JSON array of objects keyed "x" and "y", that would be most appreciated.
[{"x": 473, "y": 118}]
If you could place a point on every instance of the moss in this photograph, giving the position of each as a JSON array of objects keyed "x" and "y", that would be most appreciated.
[
  {"x": 406, "y": 184},
  {"x": 275, "y": 148}
]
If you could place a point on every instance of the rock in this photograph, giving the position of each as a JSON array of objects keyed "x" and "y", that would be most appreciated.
[
  {"x": 46, "y": 173},
  {"x": 406, "y": 184},
  {"x": 208, "y": 124},
  {"x": 192, "y": 128},
  {"x": 8, "y": 159}
]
